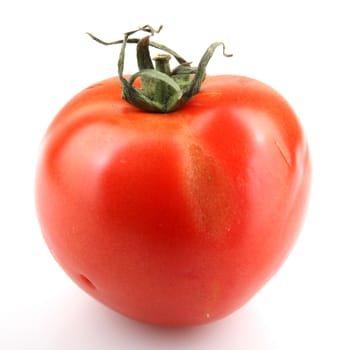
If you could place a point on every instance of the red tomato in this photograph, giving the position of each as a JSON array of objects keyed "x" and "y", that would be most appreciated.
[{"x": 174, "y": 219}]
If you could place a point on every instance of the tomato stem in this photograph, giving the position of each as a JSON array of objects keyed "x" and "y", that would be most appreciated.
[{"x": 162, "y": 90}]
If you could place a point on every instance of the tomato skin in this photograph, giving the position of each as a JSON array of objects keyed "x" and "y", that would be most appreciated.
[{"x": 174, "y": 219}]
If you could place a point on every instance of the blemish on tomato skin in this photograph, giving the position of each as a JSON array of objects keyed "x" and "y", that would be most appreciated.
[
  {"x": 208, "y": 192},
  {"x": 94, "y": 86}
]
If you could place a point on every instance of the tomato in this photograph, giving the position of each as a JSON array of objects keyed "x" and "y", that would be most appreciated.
[{"x": 180, "y": 218}]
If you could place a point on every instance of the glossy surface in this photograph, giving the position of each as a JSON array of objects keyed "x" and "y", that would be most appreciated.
[{"x": 174, "y": 219}]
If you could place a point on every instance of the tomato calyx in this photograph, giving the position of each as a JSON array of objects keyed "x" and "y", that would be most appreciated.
[{"x": 162, "y": 89}]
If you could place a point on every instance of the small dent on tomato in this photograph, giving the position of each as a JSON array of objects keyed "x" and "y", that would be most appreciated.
[
  {"x": 86, "y": 282},
  {"x": 283, "y": 151}
]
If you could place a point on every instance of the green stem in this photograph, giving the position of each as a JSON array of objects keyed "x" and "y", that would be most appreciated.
[{"x": 162, "y": 90}]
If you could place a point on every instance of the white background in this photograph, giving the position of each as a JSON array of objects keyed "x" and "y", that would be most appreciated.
[{"x": 295, "y": 46}]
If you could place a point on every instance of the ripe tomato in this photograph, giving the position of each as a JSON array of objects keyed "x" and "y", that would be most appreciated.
[{"x": 179, "y": 218}]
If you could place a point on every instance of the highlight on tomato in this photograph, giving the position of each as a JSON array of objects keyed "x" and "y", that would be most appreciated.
[{"x": 172, "y": 196}]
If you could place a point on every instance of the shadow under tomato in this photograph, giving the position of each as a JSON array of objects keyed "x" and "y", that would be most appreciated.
[{"x": 241, "y": 330}]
